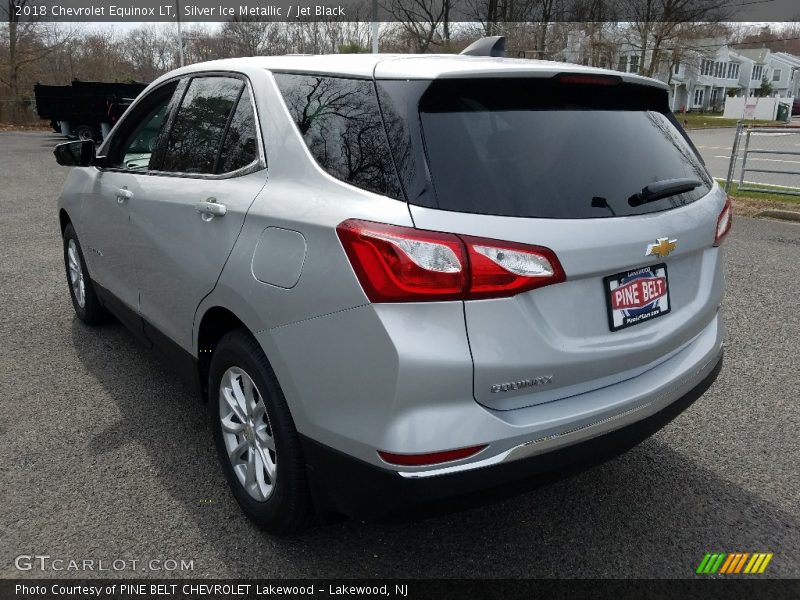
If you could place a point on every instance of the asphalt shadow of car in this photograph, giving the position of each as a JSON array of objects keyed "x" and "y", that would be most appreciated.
[{"x": 651, "y": 512}]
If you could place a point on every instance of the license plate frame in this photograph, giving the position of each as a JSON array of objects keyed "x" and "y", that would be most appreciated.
[{"x": 628, "y": 316}]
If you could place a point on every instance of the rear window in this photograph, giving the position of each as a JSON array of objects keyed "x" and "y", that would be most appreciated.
[{"x": 542, "y": 148}]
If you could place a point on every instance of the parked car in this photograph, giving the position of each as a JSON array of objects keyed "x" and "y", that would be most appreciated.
[
  {"x": 398, "y": 281},
  {"x": 796, "y": 107}
]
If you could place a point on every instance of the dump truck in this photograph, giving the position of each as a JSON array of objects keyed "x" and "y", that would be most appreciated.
[{"x": 85, "y": 109}]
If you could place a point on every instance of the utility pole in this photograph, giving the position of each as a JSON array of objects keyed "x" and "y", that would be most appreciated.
[
  {"x": 180, "y": 32},
  {"x": 375, "y": 26}
]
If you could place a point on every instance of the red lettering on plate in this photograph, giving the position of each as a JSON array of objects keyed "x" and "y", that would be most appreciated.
[{"x": 638, "y": 293}]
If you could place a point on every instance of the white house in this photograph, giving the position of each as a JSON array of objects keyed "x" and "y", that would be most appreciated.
[
  {"x": 785, "y": 76},
  {"x": 702, "y": 76},
  {"x": 755, "y": 69}
]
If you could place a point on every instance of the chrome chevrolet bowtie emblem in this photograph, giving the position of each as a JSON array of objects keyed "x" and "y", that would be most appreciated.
[{"x": 662, "y": 247}]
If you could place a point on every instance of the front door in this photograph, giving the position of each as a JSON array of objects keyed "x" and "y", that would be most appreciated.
[
  {"x": 190, "y": 209},
  {"x": 108, "y": 207}
]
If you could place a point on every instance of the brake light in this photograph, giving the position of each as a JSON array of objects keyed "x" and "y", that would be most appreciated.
[
  {"x": 589, "y": 79},
  {"x": 724, "y": 222},
  {"x": 403, "y": 264},
  {"x": 432, "y": 458}
]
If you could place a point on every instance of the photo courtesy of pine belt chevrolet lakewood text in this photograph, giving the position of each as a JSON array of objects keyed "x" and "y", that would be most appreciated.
[{"x": 401, "y": 282}]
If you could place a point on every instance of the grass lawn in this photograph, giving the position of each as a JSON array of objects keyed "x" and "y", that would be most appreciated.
[
  {"x": 748, "y": 204},
  {"x": 735, "y": 193},
  {"x": 706, "y": 120}
]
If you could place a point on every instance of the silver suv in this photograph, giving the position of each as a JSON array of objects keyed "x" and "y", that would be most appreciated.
[{"x": 397, "y": 281}]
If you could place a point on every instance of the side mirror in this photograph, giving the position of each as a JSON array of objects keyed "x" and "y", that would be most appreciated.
[{"x": 80, "y": 153}]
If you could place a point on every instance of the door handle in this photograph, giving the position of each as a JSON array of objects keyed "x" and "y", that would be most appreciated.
[
  {"x": 210, "y": 208},
  {"x": 123, "y": 194}
]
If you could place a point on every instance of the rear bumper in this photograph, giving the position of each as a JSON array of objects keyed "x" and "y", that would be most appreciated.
[{"x": 361, "y": 490}]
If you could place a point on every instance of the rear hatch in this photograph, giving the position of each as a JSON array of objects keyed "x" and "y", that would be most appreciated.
[{"x": 593, "y": 168}]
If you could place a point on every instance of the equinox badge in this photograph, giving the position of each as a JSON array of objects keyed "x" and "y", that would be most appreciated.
[{"x": 522, "y": 383}]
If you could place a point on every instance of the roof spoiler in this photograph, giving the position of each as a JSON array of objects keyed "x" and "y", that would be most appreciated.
[{"x": 494, "y": 45}]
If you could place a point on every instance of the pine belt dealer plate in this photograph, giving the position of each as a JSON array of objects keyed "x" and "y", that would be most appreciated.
[{"x": 637, "y": 296}]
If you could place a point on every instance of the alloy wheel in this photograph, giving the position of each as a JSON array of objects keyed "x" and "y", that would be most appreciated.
[
  {"x": 247, "y": 434},
  {"x": 76, "y": 274}
]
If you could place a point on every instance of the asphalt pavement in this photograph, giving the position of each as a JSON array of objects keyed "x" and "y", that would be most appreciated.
[{"x": 105, "y": 455}]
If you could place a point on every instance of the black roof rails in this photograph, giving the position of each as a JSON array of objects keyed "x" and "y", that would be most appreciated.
[{"x": 494, "y": 45}]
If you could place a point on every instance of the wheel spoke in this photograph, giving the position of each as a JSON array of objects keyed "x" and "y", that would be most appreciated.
[
  {"x": 236, "y": 452},
  {"x": 261, "y": 481},
  {"x": 250, "y": 476},
  {"x": 238, "y": 393},
  {"x": 259, "y": 410},
  {"x": 228, "y": 395},
  {"x": 248, "y": 388},
  {"x": 231, "y": 426},
  {"x": 269, "y": 464},
  {"x": 264, "y": 438},
  {"x": 73, "y": 257}
]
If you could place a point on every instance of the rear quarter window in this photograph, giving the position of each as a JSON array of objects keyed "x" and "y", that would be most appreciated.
[{"x": 341, "y": 125}]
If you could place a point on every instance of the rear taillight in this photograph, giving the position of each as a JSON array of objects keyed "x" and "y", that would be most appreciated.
[
  {"x": 724, "y": 222},
  {"x": 403, "y": 264},
  {"x": 499, "y": 269},
  {"x": 431, "y": 458}
]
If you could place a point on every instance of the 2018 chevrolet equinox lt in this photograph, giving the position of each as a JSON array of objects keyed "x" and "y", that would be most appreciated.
[{"x": 398, "y": 280}]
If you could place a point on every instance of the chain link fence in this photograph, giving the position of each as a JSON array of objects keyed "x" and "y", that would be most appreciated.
[{"x": 766, "y": 158}]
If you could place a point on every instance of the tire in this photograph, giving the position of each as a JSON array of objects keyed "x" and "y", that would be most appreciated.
[
  {"x": 81, "y": 289},
  {"x": 85, "y": 132},
  {"x": 268, "y": 477}
]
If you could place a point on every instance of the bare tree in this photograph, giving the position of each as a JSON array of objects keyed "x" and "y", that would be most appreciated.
[
  {"x": 26, "y": 47},
  {"x": 421, "y": 20},
  {"x": 655, "y": 24}
]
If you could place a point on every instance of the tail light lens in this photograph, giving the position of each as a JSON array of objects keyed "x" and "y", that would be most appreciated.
[
  {"x": 403, "y": 264},
  {"x": 724, "y": 222},
  {"x": 500, "y": 269},
  {"x": 433, "y": 458}
]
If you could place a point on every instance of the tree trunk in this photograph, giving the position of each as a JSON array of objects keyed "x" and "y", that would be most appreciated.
[{"x": 13, "y": 67}]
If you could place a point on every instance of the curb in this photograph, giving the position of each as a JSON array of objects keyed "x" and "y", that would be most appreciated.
[{"x": 783, "y": 215}]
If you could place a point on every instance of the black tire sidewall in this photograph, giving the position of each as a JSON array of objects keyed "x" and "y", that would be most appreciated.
[{"x": 284, "y": 510}]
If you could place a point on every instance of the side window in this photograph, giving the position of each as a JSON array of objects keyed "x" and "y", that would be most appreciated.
[
  {"x": 241, "y": 142},
  {"x": 342, "y": 126},
  {"x": 196, "y": 135},
  {"x": 132, "y": 148}
]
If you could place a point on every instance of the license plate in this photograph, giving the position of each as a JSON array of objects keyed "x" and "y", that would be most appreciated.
[{"x": 637, "y": 296}]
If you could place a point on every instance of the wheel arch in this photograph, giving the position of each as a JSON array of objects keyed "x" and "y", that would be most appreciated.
[
  {"x": 214, "y": 324},
  {"x": 63, "y": 220}
]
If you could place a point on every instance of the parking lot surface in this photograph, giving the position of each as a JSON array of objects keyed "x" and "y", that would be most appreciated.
[{"x": 105, "y": 455}]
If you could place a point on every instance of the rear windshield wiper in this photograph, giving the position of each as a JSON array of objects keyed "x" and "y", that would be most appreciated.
[{"x": 663, "y": 189}]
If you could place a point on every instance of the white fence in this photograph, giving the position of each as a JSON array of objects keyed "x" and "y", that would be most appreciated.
[{"x": 754, "y": 108}]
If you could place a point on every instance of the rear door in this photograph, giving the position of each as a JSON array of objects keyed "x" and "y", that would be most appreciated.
[
  {"x": 188, "y": 214},
  {"x": 597, "y": 171}
]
